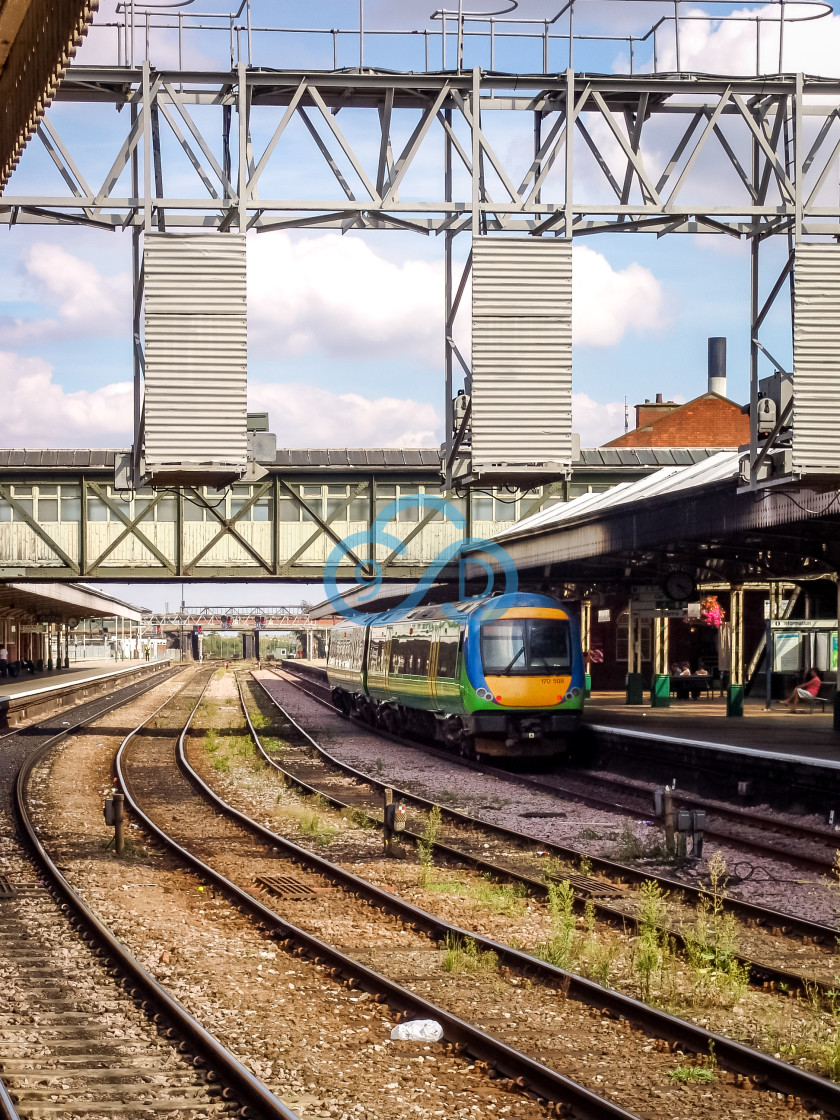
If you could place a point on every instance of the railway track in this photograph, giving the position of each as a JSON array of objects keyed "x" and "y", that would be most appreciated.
[
  {"x": 84, "y": 1029},
  {"x": 146, "y": 772},
  {"x": 772, "y": 961},
  {"x": 758, "y": 833},
  {"x": 754, "y": 915},
  {"x": 514, "y": 1068}
]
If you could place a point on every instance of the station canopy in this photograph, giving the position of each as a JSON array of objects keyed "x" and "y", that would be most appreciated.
[
  {"x": 697, "y": 517},
  {"x": 60, "y": 602}
]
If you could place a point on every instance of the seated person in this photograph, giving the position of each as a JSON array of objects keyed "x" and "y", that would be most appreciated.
[
  {"x": 681, "y": 687},
  {"x": 702, "y": 671},
  {"x": 807, "y": 690}
]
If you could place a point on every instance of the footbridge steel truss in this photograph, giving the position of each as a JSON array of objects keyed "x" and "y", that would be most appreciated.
[
  {"x": 541, "y": 155},
  {"x": 227, "y": 619},
  {"x": 61, "y": 516}
]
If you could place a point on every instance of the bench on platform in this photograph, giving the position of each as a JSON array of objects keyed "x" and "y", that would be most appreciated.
[
  {"x": 683, "y": 685},
  {"x": 825, "y": 696}
]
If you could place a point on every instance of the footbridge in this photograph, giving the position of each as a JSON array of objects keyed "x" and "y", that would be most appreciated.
[{"x": 61, "y": 516}]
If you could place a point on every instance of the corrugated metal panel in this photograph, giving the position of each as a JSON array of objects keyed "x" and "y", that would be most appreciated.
[
  {"x": 196, "y": 350},
  {"x": 521, "y": 353},
  {"x": 816, "y": 360}
]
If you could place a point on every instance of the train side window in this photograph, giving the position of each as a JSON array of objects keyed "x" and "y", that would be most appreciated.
[
  {"x": 397, "y": 656},
  {"x": 447, "y": 656}
]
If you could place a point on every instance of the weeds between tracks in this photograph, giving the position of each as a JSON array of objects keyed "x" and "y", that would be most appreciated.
[{"x": 704, "y": 982}]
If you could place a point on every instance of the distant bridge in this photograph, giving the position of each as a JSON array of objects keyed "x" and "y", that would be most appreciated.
[{"x": 234, "y": 619}]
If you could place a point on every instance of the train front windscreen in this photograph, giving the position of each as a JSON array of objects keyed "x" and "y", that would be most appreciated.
[{"x": 526, "y": 647}]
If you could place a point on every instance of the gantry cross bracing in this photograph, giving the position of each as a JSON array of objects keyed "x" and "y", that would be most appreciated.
[
  {"x": 539, "y": 155},
  {"x": 604, "y": 153}
]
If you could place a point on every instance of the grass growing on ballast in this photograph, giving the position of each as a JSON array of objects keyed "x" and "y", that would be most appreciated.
[
  {"x": 701, "y": 1075},
  {"x": 426, "y": 846},
  {"x": 504, "y": 898},
  {"x": 465, "y": 956}
]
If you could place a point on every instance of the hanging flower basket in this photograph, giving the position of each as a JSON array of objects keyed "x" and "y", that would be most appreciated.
[{"x": 711, "y": 612}]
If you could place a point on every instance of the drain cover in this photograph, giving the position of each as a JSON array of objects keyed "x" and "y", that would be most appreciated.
[
  {"x": 284, "y": 886},
  {"x": 595, "y": 888},
  {"x": 6, "y": 888}
]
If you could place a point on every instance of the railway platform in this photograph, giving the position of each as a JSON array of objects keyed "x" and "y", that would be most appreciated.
[
  {"x": 773, "y": 732},
  {"x": 769, "y": 757},
  {"x": 29, "y": 697}
]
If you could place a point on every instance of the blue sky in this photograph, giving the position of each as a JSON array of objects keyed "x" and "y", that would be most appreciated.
[{"x": 331, "y": 370}]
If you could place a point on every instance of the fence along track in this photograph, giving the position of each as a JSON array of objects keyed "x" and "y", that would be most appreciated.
[
  {"x": 128, "y": 1078},
  {"x": 762, "y": 1068}
]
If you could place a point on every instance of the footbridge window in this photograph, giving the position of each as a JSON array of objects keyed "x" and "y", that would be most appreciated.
[{"x": 46, "y": 502}]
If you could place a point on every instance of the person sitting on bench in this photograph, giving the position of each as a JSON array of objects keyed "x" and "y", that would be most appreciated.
[
  {"x": 696, "y": 688},
  {"x": 805, "y": 691}
]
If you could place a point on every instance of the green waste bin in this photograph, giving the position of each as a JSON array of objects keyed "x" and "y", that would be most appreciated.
[
  {"x": 587, "y": 685},
  {"x": 635, "y": 688},
  {"x": 735, "y": 700},
  {"x": 660, "y": 693}
]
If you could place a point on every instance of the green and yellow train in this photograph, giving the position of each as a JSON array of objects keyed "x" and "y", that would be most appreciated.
[{"x": 499, "y": 676}]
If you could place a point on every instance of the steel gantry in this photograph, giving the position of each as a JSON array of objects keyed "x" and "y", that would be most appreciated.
[{"x": 535, "y": 155}]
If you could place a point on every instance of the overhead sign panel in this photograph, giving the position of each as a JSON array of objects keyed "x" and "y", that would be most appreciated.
[
  {"x": 816, "y": 360},
  {"x": 521, "y": 355},
  {"x": 195, "y": 354}
]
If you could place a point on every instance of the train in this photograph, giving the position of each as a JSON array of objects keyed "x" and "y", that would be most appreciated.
[{"x": 499, "y": 676}]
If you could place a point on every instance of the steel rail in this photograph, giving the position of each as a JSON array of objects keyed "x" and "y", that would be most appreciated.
[
  {"x": 258, "y": 1099},
  {"x": 685, "y": 800},
  {"x": 749, "y": 911},
  {"x": 791, "y": 830},
  {"x": 7, "y": 1105},
  {"x": 759, "y": 971},
  {"x": 762, "y": 1068},
  {"x": 503, "y": 1060}
]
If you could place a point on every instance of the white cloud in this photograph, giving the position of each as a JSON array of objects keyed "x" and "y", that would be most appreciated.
[
  {"x": 38, "y": 412},
  {"x": 596, "y": 423},
  {"x": 335, "y": 294},
  {"x": 609, "y": 302},
  {"x": 729, "y": 47},
  {"x": 306, "y": 415},
  {"x": 83, "y": 300}
]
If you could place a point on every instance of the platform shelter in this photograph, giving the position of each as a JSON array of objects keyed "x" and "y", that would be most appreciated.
[{"x": 38, "y": 619}]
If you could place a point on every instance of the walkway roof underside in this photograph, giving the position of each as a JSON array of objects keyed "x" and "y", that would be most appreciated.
[
  {"x": 60, "y": 602},
  {"x": 690, "y": 517}
]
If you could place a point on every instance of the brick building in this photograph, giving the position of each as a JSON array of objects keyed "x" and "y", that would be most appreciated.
[{"x": 710, "y": 420}]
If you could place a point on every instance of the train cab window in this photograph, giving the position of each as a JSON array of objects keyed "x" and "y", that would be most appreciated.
[
  {"x": 447, "y": 657},
  {"x": 526, "y": 646}
]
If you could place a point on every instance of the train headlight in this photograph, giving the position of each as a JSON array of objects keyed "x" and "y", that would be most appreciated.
[{"x": 572, "y": 694}]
